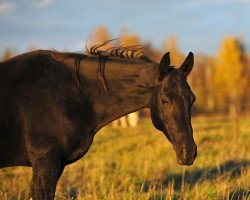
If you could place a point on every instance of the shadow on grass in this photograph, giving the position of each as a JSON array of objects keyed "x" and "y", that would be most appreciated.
[
  {"x": 240, "y": 194},
  {"x": 230, "y": 169}
]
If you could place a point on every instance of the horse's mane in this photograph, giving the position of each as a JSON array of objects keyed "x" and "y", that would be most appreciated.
[
  {"x": 125, "y": 51},
  {"x": 137, "y": 52}
]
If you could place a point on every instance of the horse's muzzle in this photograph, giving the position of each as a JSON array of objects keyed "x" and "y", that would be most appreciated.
[{"x": 186, "y": 156}]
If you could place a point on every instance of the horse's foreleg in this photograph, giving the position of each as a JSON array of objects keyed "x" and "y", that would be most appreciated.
[{"x": 47, "y": 169}]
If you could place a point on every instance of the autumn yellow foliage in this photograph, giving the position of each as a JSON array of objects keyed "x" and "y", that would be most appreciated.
[
  {"x": 129, "y": 39},
  {"x": 177, "y": 56},
  {"x": 100, "y": 35},
  {"x": 229, "y": 82}
]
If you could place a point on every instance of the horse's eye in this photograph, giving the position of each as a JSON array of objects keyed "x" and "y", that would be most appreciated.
[{"x": 165, "y": 101}]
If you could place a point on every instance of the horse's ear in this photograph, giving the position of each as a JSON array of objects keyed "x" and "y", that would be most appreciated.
[
  {"x": 188, "y": 64},
  {"x": 164, "y": 66}
]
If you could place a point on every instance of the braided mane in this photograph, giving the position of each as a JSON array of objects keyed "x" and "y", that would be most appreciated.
[{"x": 124, "y": 51}]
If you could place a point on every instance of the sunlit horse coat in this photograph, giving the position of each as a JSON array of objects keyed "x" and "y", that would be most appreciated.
[{"x": 52, "y": 104}]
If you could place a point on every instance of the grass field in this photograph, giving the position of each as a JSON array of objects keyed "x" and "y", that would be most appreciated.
[{"x": 139, "y": 163}]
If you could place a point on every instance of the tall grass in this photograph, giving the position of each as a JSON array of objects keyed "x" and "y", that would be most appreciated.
[{"x": 139, "y": 163}]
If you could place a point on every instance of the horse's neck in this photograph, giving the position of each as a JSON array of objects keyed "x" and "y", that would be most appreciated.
[{"x": 129, "y": 88}]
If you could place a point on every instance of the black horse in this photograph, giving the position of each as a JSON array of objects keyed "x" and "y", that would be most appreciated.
[{"x": 52, "y": 104}]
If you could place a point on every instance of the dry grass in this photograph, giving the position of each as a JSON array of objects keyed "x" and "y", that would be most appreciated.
[{"x": 139, "y": 163}]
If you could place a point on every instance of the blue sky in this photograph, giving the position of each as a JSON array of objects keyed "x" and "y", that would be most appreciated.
[{"x": 199, "y": 25}]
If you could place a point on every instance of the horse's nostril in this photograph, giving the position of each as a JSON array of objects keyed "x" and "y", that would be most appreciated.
[
  {"x": 183, "y": 153},
  {"x": 195, "y": 154}
]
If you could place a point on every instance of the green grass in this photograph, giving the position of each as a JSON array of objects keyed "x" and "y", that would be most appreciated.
[{"x": 139, "y": 163}]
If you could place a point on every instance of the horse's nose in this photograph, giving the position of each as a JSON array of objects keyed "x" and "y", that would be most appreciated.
[
  {"x": 195, "y": 152},
  {"x": 186, "y": 155},
  {"x": 183, "y": 153}
]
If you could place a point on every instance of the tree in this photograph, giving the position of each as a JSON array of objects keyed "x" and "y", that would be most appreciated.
[
  {"x": 177, "y": 56},
  {"x": 8, "y": 53},
  {"x": 100, "y": 35},
  {"x": 128, "y": 39},
  {"x": 201, "y": 83},
  {"x": 229, "y": 80}
]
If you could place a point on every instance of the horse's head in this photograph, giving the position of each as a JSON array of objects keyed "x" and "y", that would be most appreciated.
[{"x": 171, "y": 108}]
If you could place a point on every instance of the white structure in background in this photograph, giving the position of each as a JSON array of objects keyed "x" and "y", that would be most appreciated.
[{"x": 128, "y": 120}]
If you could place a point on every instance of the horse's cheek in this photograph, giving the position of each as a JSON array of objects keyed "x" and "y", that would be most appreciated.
[{"x": 155, "y": 116}]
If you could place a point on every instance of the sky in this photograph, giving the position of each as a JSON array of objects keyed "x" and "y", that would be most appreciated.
[{"x": 198, "y": 25}]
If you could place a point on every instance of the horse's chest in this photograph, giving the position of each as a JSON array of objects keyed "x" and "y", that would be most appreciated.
[{"x": 79, "y": 150}]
